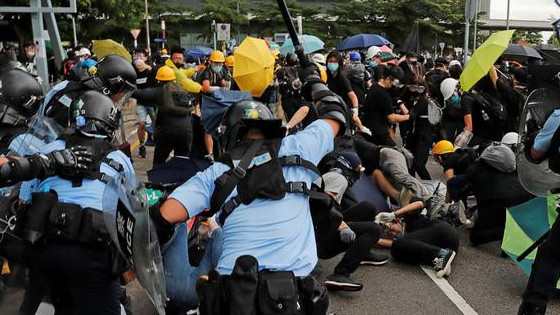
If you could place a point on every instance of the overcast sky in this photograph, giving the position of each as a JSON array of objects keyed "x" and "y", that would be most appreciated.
[{"x": 541, "y": 10}]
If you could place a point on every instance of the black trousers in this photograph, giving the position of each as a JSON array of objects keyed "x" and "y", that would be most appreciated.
[
  {"x": 330, "y": 245},
  {"x": 172, "y": 138},
  {"x": 364, "y": 211},
  {"x": 419, "y": 143},
  {"x": 79, "y": 278},
  {"x": 489, "y": 225},
  {"x": 421, "y": 246}
]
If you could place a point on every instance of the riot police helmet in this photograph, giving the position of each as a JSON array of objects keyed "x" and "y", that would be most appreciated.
[
  {"x": 20, "y": 97},
  {"x": 246, "y": 115},
  {"x": 114, "y": 76},
  {"x": 292, "y": 59},
  {"x": 94, "y": 115}
]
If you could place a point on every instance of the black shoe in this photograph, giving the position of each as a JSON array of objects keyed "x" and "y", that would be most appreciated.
[
  {"x": 142, "y": 151},
  {"x": 374, "y": 259},
  {"x": 527, "y": 308},
  {"x": 442, "y": 262},
  {"x": 342, "y": 283}
]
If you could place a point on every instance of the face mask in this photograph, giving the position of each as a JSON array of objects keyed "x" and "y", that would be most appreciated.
[
  {"x": 373, "y": 64},
  {"x": 30, "y": 55},
  {"x": 455, "y": 99},
  {"x": 332, "y": 66},
  {"x": 216, "y": 69}
]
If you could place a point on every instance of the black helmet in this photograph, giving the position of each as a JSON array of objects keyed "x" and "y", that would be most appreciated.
[
  {"x": 113, "y": 75},
  {"x": 248, "y": 114},
  {"x": 20, "y": 97},
  {"x": 292, "y": 59},
  {"x": 95, "y": 115}
]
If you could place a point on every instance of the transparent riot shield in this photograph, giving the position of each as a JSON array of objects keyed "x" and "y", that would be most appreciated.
[
  {"x": 42, "y": 130},
  {"x": 536, "y": 178},
  {"x": 126, "y": 215}
]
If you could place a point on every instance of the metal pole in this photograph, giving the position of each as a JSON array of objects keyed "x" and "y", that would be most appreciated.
[
  {"x": 74, "y": 30},
  {"x": 52, "y": 27},
  {"x": 507, "y": 16},
  {"x": 466, "y": 44},
  {"x": 214, "y": 30},
  {"x": 300, "y": 25},
  {"x": 147, "y": 28},
  {"x": 435, "y": 48},
  {"x": 475, "y": 25},
  {"x": 39, "y": 41}
]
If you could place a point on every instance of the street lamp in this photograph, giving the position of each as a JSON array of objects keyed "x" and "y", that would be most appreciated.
[{"x": 147, "y": 28}]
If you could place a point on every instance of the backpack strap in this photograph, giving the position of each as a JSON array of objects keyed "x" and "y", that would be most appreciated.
[
  {"x": 227, "y": 182},
  {"x": 296, "y": 160}
]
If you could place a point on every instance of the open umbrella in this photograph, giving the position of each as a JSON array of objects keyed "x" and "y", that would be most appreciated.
[
  {"x": 310, "y": 45},
  {"x": 484, "y": 57},
  {"x": 198, "y": 52},
  {"x": 254, "y": 66},
  {"x": 362, "y": 41},
  {"x": 520, "y": 53},
  {"x": 105, "y": 47},
  {"x": 525, "y": 224}
]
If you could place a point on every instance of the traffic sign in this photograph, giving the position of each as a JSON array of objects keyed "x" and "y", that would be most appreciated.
[{"x": 223, "y": 31}]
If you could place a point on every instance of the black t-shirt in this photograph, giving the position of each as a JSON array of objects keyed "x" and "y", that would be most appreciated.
[
  {"x": 512, "y": 101},
  {"x": 341, "y": 86},
  {"x": 377, "y": 106},
  {"x": 434, "y": 79},
  {"x": 460, "y": 161},
  {"x": 215, "y": 78},
  {"x": 482, "y": 128},
  {"x": 420, "y": 109}
]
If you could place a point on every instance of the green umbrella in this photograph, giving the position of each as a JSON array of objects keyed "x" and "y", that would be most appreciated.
[
  {"x": 525, "y": 224},
  {"x": 484, "y": 57}
]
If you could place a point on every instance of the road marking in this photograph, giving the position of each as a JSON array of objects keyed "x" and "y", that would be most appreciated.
[{"x": 450, "y": 292}]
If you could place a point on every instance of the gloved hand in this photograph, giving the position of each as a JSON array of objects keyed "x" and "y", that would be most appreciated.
[
  {"x": 347, "y": 235},
  {"x": 412, "y": 115},
  {"x": 68, "y": 162},
  {"x": 385, "y": 217},
  {"x": 365, "y": 130}
]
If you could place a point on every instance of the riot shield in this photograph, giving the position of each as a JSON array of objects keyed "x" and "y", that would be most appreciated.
[
  {"x": 41, "y": 130},
  {"x": 126, "y": 215},
  {"x": 536, "y": 178}
]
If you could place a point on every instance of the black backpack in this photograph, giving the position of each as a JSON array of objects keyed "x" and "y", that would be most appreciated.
[{"x": 493, "y": 107}]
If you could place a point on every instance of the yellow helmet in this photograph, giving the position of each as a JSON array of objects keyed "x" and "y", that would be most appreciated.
[
  {"x": 165, "y": 73},
  {"x": 217, "y": 56},
  {"x": 229, "y": 61},
  {"x": 443, "y": 147},
  {"x": 164, "y": 51}
]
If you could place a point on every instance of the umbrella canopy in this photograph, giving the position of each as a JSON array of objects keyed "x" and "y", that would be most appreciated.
[
  {"x": 198, "y": 52},
  {"x": 526, "y": 223},
  {"x": 386, "y": 48},
  {"x": 215, "y": 104},
  {"x": 106, "y": 47},
  {"x": 484, "y": 57},
  {"x": 310, "y": 45},
  {"x": 362, "y": 41},
  {"x": 520, "y": 53},
  {"x": 254, "y": 66},
  {"x": 387, "y": 56},
  {"x": 549, "y": 52}
]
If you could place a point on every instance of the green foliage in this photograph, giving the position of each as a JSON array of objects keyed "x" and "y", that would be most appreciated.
[{"x": 533, "y": 38}]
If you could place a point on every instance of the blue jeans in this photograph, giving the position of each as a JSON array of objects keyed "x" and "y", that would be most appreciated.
[{"x": 180, "y": 276}]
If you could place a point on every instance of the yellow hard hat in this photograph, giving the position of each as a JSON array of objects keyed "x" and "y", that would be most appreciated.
[
  {"x": 229, "y": 61},
  {"x": 165, "y": 73},
  {"x": 443, "y": 147},
  {"x": 164, "y": 51},
  {"x": 217, "y": 56}
]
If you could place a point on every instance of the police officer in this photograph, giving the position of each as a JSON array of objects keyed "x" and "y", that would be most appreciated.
[
  {"x": 113, "y": 76},
  {"x": 65, "y": 219},
  {"x": 266, "y": 219}
]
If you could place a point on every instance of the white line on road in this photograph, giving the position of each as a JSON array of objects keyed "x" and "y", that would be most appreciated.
[{"x": 450, "y": 292}]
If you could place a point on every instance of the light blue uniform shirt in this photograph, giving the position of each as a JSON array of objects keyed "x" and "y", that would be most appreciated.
[
  {"x": 90, "y": 194},
  {"x": 542, "y": 141},
  {"x": 279, "y": 233}
]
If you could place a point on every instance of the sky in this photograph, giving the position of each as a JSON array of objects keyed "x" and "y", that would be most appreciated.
[{"x": 538, "y": 10}]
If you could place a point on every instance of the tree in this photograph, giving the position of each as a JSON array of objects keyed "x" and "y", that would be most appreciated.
[{"x": 533, "y": 38}]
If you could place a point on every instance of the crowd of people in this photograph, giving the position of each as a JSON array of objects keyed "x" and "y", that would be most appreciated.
[{"x": 277, "y": 192}]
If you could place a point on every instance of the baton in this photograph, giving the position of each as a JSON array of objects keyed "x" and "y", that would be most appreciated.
[
  {"x": 289, "y": 22},
  {"x": 532, "y": 247}
]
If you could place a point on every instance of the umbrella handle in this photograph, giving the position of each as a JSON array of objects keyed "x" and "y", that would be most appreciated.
[
  {"x": 532, "y": 247},
  {"x": 289, "y": 22}
]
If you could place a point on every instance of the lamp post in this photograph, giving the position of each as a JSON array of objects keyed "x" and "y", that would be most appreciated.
[
  {"x": 507, "y": 16},
  {"x": 147, "y": 28}
]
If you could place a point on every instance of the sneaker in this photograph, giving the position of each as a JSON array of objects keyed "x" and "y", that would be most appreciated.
[
  {"x": 342, "y": 283},
  {"x": 404, "y": 196},
  {"x": 374, "y": 259},
  {"x": 142, "y": 151},
  {"x": 442, "y": 262}
]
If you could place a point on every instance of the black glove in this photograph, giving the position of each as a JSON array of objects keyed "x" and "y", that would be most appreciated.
[
  {"x": 164, "y": 229},
  {"x": 68, "y": 162},
  {"x": 412, "y": 115}
]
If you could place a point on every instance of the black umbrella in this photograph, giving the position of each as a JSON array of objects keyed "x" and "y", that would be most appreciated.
[
  {"x": 520, "y": 53},
  {"x": 550, "y": 53}
]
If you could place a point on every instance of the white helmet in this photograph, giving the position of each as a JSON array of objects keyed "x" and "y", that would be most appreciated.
[
  {"x": 510, "y": 138},
  {"x": 448, "y": 87},
  {"x": 372, "y": 52},
  {"x": 319, "y": 58},
  {"x": 84, "y": 52}
]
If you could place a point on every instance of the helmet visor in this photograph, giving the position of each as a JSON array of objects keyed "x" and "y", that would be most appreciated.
[{"x": 121, "y": 97}]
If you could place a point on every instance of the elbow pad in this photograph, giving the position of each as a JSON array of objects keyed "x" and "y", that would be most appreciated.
[
  {"x": 15, "y": 171},
  {"x": 164, "y": 229}
]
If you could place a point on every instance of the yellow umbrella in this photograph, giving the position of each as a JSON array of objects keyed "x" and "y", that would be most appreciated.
[
  {"x": 484, "y": 57},
  {"x": 254, "y": 66},
  {"x": 106, "y": 47}
]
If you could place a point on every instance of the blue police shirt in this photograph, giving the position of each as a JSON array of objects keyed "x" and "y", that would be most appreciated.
[
  {"x": 90, "y": 194},
  {"x": 542, "y": 141},
  {"x": 279, "y": 233}
]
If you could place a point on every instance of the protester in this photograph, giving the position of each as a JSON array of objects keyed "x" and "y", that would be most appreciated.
[{"x": 145, "y": 77}]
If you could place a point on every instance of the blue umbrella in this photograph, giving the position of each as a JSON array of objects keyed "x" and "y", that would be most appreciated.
[
  {"x": 198, "y": 52},
  {"x": 215, "y": 104},
  {"x": 362, "y": 41},
  {"x": 310, "y": 45}
]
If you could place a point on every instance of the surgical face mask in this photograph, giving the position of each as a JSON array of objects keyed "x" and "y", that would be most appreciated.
[
  {"x": 332, "y": 66},
  {"x": 216, "y": 69},
  {"x": 373, "y": 64}
]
